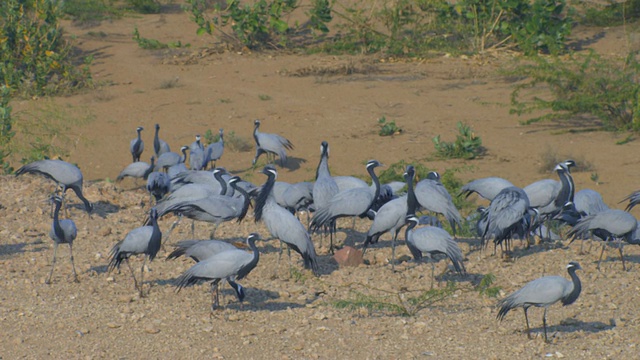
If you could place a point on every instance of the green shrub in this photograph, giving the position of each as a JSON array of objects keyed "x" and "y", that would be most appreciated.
[
  {"x": 466, "y": 146},
  {"x": 6, "y": 129},
  {"x": 612, "y": 14},
  {"x": 232, "y": 141},
  {"x": 34, "y": 57},
  {"x": 588, "y": 86},
  {"x": 388, "y": 128}
]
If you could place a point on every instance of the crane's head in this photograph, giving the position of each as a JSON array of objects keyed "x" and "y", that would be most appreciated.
[
  {"x": 270, "y": 170},
  {"x": 184, "y": 148},
  {"x": 234, "y": 180},
  {"x": 433, "y": 175},
  {"x": 153, "y": 213},
  {"x": 324, "y": 148},
  {"x": 140, "y": 128},
  {"x": 157, "y": 127},
  {"x": 256, "y": 122},
  {"x": 221, "y": 133},
  {"x": 573, "y": 265},
  {"x": 409, "y": 173},
  {"x": 198, "y": 137},
  {"x": 411, "y": 218},
  {"x": 372, "y": 164},
  {"x": 56, "y": 199}
]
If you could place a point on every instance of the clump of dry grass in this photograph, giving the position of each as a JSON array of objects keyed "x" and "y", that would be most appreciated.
[{"x": 550, "y": 158}]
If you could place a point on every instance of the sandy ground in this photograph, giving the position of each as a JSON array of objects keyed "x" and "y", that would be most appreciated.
[{"x": 288, "y": 312}]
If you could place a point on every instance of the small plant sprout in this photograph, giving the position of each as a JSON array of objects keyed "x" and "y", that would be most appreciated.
[{"x": 388, "y": 128}]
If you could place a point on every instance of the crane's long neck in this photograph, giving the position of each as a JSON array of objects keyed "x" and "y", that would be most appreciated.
[
  {"x": 139, "y": 135},
  {"x": 149, "y": 169},
  {"x": 567, "y": 190},
  {"x": 323, "y": 167},
  {"x": 156, "y": 238},
  {"x": 256, "y": 253},
  {"x": 376, "y": 183},
  {"x": 57, "y": 229},
  {"x": 87, "y": 205},
  {"x": 245, "y": 203},
  {"x": 255, "y": 133},
  {"x": 156, "y": 141},
  {"x": 412, "y": 201},
  {"x": 223, "y": 184},
  {"x": 577, "y": 288},
  {"x": 263, "y": 197}
]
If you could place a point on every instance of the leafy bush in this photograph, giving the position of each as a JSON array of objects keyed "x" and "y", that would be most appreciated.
[
  {"x": 466, "y": 146},
  {"x": 6, "y": 129},
  {"x": 262, "y": 24},
  {"x": 388, "y": 128},
  {"x": 582, "y": 85},
  {"x": 34, "y": 57}
]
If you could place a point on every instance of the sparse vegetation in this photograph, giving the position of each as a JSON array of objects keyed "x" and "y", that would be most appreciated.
[
  {"x": 485, "y": 286},
  {"x": 91, "y": 11},
  {"x": 6, "y": 129},
  {"x": 170, "y": 84},
  {"x": 264, "y": 97},
  {"x": 466, "y": 146},
  {"x": 152, "y": 44},
  {"x": 402, "y": 302},
  {"x": 47, "y": 132},
  {"x": 550, "y": 158},
  {"x": 232, "y": 141},
  {"x": 602, "y": 92},
  {"x": 388, "y": 128}
]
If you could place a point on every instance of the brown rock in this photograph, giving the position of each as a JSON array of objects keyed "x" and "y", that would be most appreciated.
[{"x": 348, "y": 256}]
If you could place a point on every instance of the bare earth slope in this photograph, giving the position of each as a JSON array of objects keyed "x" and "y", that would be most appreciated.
[{"x": 289, "y": 313}]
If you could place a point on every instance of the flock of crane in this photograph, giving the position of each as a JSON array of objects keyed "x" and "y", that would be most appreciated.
[{"x": 215, "y": 196}]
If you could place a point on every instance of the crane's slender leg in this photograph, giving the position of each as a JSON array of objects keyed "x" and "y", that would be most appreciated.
[
  {"x": 193, "y": 229},
  {"x": 135, "y": 281},
  {"x": 433, "y": 270},
  {"x": 601, "y": 253},
  {"x": 144, "y": 262},
  {"x": 527, "y": 320},
  {"x": 53, "y": 262},
  {"x": 173, "y": 226},
  {"x": 393, "y": 251},
  {"x": 624, "y": 267},
  {"x": 544, "y": 324},
  {"x": 73, "y": 267}
]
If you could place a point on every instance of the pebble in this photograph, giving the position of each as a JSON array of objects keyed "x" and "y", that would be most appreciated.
[
  {"x": 113, "y": 325},
  {"x": 151, "y": 330}
]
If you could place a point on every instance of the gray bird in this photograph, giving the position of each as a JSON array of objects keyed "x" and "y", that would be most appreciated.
[
  {"x": 176, "y": 170},
  {"x": 216, "y": 149},
  {"x": 433, "y": 241},
  {"x": 610, "y": 225},
  {"x": 282, "y": 224},
  {"x": 486, "y": 188},
  {"x": 137, "y": 170},
  {"x": 271, "y": 145},
  {"x": 66, "y": 176},
  {"x": 145, "y": 240},
  {"x": 349, "y": 182},
  {"x": 196, "y": 145},
  {"x": 200, "y": 250},
  {"x": 295, "y": 197},
  {"x": 169, "y": 159},
  {"x": 352, "y": 202},
  {"x": 159, "y": 146},
  {"x": 505, "y": 216},
  {"x": 62, "y": 232},
  {"x": 137, "y": 145},
  {"x": 325, "y": 188},
  {"x": 543, "y": 292},
  {"x": 433, "y": 196},
  {"x": 391, "y": 217},
  {"x": 589, "y": 202},
  {"x": 214, "y": 209},
  {"x": 158, "y": 185},
  {"x": 232, "y": 265},
  {"x": 197, "y": 159}
]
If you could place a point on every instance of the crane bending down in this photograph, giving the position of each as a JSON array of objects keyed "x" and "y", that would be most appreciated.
[
  {"x": 232, "y": 265},
  {"x": 543, "y": 292},
  {"x": 66, "y": 176}
]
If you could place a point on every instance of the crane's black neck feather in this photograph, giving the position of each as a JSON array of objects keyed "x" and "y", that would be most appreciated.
[
  {"x": 246, "y": 200},
  {"x": 567, "y": 190},
  {"x": 577, "y": 287},
  {"x": 57, "y": 229},
  {"x": 412, "y": 201},
  {"x": 261, "y": 200}
]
